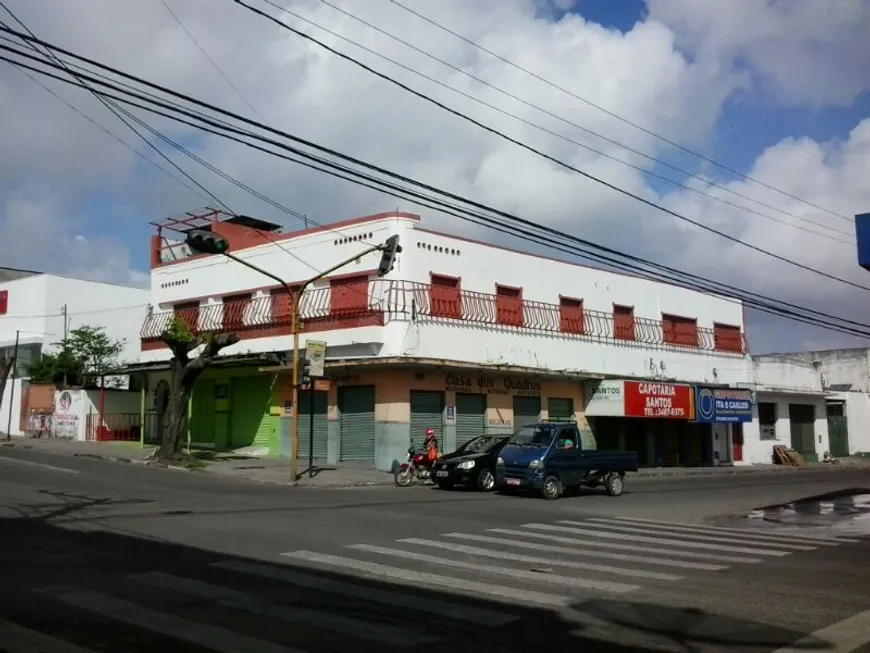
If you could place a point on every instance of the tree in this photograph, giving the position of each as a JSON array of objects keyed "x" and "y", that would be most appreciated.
[
  {"x": 184, "y": 369},
  {"x": 85, "y": 355}
]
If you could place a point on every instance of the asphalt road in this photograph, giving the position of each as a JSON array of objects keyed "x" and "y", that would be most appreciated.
[{"x": 101, "y": 556}]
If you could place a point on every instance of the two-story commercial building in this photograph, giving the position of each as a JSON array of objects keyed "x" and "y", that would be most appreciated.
[{"x": 461, "y": 336}]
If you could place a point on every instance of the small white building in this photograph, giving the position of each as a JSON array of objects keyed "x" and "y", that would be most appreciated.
[
  {"x": 38, "y": 309},
  {"x": 461, "y": 336}
]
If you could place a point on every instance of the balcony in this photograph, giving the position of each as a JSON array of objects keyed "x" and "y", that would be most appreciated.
[{"x": 267, "y": 316}]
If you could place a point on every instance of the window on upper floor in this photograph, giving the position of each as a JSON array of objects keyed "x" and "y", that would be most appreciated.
[
  {"x": 727, "y": 337},
  {"x": 509, "y": 306},
  {"x": 678, "y": 330},
  {"x": 188, "y": 313},
  {"x": 4, "y": 301},
  {"x": 444, "y": 297},
  {"x": 235, "y": 309},
  {"x": 571, "y": 315},
  {"x": 280, "y": 305},
  {"x": 623, "y": 322},
  {"x": 349, "y": 295}
]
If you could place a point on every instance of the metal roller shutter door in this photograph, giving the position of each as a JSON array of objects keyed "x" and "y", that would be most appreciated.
[
  {"x": 250, "y": 421},
  {"x": 321, "y": 426},
  {"x": 357, "y": 423},
  {"x": 427, "y": 410},
  {"x": 560, "y": 409},
  {"x": 470, "y": 417},
  {"x": 527, "y": 410}
]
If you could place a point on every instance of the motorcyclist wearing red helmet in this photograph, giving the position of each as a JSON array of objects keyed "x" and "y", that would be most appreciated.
[{"x": 430, "y": 443}]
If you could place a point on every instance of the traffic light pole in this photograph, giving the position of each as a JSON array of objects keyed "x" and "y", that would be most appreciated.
[
  {"x": 294, "y": 321},
  {"x": 207, "y": 242}
]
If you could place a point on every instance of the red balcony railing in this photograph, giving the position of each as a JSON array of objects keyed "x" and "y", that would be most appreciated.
[{"x": 391, "y": 300}]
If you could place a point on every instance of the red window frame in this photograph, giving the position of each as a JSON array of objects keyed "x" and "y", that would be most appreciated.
[
  {"x": 680, "y": 331},
  {"x": 509, "y": 306},
  {"x": 571, "y": 315},
  {"x": 623, "y": 322},
  {"x": 234, "y": 308},
  {"x": 188, "y": 313},
  {"x": 728, "y": 337},
  {"x": 445, "y": 296},
  {"x": 349, "y": 295},
  {"x": 4, "y": 302}
]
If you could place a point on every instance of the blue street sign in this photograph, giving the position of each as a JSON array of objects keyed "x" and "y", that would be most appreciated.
[{"x": 722, "y": 405}]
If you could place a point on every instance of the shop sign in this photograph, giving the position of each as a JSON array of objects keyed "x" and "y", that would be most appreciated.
[
  {"x": 346, "y": 379},
  {"x": 455, "y": 382},
  {"x": 664, "y": 400},
  {"x": 315, "y": 354},
  {"x": 605, "y": 399},
  {"x": 722, "y": 405}
]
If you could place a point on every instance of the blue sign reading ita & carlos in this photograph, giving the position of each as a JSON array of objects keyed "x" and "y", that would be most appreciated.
[{"x": 722, "y": 405}]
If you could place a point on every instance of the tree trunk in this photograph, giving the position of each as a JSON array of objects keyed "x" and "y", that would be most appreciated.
[{"x": 183, "y": 373}]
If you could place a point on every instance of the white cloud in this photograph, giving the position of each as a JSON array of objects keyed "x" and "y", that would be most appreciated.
[{"x": 302, "y": 89}]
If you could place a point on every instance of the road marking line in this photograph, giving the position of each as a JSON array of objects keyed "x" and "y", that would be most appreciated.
[
  {"x": 742, "y": 535},
  {"x": 18, "y": 639},
  {"x": 691, "y": 536},
  {"x": 501, "y": 572},
  {"x": 248, "y": 603},
  {"x": 841, "y": 637},
  {"x": 595, "y": 532},
  {"x": 206, "y": 635},
  {"x": 584, "y": 543},
  {"x": 738, "y": 531},
  {"x": 35, "y": 464},
  {"x": 539, "y": 560},
  {"x": 385, "y": 597},
  {"x": 535, "y": 546},
  {"x": 418, "y": 579}
]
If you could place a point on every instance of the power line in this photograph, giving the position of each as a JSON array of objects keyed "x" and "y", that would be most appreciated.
[
  {"x": 552, "y": 159},
  {"x": 612, "y": 114},
  {"x": 110, "y": 107},
  {"x": 642, "y": 170},
  {"x": 706, "y": 285}
]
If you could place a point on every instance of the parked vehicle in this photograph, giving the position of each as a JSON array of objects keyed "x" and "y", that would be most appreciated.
[
  {"x": 418, "y": 467},
  {"x": 472, "y": 464},
  {"x": 549, "y": 457}
]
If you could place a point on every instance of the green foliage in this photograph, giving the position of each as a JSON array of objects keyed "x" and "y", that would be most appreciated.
[
  {"x": 178, "y": 331},
  {"x": 86, "y": 354}
]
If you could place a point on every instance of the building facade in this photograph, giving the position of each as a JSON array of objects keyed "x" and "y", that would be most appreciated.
[
  {"x": 461, "y": 336},
  {"x": 38, "y": 309}
]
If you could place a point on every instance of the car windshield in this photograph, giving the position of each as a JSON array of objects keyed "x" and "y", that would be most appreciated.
[
  {"x": 533, "y": 435},
  {"x": 480, "y": 445}
]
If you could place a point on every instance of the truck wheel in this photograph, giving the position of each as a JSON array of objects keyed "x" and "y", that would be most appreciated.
[
  {"x": 614, "y": 484},
  {"x": 552, "y": 488}
]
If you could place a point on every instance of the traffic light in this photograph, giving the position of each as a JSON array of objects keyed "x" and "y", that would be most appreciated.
[
  {"x": 304, "y": 371},
  {"x": 206, "y": 242},
  {"x": 388, "y": 255}
]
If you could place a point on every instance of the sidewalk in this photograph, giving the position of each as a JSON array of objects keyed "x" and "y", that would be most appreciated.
[{"x": 343, "y": 475}]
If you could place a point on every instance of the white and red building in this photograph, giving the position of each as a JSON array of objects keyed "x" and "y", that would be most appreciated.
[{"x": 461, "y": 336}]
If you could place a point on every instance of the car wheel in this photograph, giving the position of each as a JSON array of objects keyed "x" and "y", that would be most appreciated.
[
  {"x": 552, "y": 488},
  {"x": 614, "y": 484},
  {"x": 486, "y": 480}
]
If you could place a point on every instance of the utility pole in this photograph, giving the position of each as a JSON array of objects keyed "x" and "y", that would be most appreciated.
[
  {"x": 65, "y": 337},
  {"x": 12, "y": 387}
]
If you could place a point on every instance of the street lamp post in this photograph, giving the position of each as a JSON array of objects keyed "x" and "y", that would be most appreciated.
[{"x": 207, "y": 242}]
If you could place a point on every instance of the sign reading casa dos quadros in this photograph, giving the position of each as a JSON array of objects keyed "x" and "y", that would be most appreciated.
[
  {"x": 651, "y": 399},
  {"x": 722, "y": 405},
  {"x": 458, "y": 382}
]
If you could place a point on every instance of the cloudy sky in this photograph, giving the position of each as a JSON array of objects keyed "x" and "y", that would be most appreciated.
[{"x": 777, "y": 91}]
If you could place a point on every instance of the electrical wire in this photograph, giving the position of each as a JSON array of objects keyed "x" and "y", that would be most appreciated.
[
  {"x": 612, "y": 114},
  {"x": 710, "y": 289},
  {"x": 552, "y": 159},
  {"x": 517, "y": 98}
]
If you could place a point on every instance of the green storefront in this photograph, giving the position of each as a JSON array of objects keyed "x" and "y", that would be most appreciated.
[{"x": 232, "y": 409}]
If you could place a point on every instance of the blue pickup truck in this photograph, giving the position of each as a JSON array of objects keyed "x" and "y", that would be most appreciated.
[{"x": 549, "y": 457}]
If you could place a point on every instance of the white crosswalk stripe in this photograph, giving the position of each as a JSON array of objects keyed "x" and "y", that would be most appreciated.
[{"x": 551, "y": 565}]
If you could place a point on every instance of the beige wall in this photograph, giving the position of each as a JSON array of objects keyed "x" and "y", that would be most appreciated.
[{"x": 392, "y": 388}]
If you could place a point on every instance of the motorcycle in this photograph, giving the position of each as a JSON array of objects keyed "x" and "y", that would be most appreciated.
[{"x": 418, "y": 466}]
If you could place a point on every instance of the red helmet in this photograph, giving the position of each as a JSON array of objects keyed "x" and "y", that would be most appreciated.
[{"x": 430, "y": 433}]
